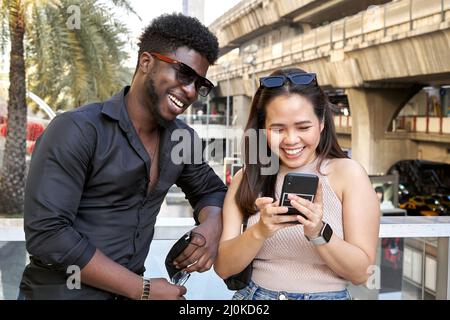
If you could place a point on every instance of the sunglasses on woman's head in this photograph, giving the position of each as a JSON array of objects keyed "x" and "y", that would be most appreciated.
[
  {"x": 186, "y": 75},
  {"x": 279, "y": 81}
]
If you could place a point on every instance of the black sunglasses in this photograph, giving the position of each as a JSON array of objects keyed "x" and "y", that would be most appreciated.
[
  {"x": 186, "y": 75},
  {"x": 179, "y": 277},
  {"x": 279, "y": 81}
]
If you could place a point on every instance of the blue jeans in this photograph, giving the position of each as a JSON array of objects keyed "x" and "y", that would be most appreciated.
[
  {"x": 21, "y": 296},
  {"x": 255, "y": 292}
]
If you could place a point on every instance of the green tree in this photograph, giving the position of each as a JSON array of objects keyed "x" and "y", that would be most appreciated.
[{"x": 69, "y": 53}]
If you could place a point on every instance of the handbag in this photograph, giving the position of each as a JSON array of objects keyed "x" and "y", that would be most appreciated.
[{"x": 240, "y": 280}]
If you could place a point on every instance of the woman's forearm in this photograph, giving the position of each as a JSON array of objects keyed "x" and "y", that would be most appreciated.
[
  {"x": 347, "y": 260},
  {"x": 237, "y": 253}
]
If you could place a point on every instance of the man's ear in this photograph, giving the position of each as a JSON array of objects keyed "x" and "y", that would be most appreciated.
[{"x": 146, "y": 62}]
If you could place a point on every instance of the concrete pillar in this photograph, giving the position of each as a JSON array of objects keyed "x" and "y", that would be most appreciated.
[
  {"x": 241, "y": 111},
  {"x": 372, "y": 111}
]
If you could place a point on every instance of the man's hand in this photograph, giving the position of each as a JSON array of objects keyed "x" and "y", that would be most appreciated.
[
  {"x": 161, "y": 289},
  {"x": 201, "y": 253}
]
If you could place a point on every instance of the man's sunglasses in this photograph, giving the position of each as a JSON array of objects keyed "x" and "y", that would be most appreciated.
[
  {"x": 279, "y": 81},
  {"x": 186, "y": 75}
]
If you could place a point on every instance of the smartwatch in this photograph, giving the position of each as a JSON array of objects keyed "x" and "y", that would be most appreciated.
[{"x": 324, "y": 236}]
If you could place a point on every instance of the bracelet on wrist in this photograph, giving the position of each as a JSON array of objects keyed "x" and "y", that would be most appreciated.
[{"x": 145, "y": 289}]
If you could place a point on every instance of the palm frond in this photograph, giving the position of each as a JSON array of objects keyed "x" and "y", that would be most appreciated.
[
  {"x": 67, "y": 67},
  {"x": 127, "y": 6}
]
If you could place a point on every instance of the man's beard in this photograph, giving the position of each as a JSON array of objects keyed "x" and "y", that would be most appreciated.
[{"x": 153, "y": 102}]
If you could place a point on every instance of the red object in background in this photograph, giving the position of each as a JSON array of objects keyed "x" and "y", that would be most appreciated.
[
  {"x": 3, "y": 129},
  {"x": 392, "y": 252},
  {"x": 228, "y": 177},
  {"x": 30, "y": 147},
  {"x": 34, "y": 130}
]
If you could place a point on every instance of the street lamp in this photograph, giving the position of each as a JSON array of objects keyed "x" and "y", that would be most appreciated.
[
  {"x": 208, "y": 110},
  {"x": 250, "y": 59},
  {"x": 226, "y": 67}
]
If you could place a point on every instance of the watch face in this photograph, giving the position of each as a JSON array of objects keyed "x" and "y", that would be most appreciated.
[{"x": 327, "y": 233}]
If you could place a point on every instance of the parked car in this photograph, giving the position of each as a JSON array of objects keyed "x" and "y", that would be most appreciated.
[{"x": 423, "y": 205}]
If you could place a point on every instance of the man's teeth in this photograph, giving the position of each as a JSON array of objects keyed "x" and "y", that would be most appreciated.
[
  {"x": 293, "y": 151},
  {"x": 176, "y": 101}
]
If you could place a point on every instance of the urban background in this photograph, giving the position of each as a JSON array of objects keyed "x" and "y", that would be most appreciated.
[{"x": 385, "y": 66}]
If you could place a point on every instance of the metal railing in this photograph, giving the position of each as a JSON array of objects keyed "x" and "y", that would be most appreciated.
[{"x": 203, "y": 118}]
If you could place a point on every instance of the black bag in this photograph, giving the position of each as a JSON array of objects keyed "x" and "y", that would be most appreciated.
[{"x": 240, "y": 280}]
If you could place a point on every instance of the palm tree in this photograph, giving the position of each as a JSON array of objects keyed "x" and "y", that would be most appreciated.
[{"x": 63, "y": 62}]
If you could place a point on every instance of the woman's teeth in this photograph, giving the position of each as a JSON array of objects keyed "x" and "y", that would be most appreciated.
[
  {"x": 177, "y": 102},
  {"x": 293, "y": 151}
]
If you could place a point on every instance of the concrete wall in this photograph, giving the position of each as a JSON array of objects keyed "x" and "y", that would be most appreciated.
[{"x": 433, "y": 152}]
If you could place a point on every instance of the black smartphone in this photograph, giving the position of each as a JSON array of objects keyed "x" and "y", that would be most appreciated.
[{"x": 301, "y": 184}]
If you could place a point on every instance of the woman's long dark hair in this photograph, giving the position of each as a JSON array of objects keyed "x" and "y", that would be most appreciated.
[{"x": 253, "y": 183}]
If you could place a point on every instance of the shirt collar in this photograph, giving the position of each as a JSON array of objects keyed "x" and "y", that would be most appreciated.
[{"x": 115, "y": 108}]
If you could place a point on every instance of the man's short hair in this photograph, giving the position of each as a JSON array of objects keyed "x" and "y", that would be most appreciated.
[{"x": 168, "y": 32}]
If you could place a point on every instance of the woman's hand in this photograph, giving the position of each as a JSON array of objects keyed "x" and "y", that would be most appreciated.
[
  {"x": 312, "y": 210},
  {"x": 270, "y": 219}
]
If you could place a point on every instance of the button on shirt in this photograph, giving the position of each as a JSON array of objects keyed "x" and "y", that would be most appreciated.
[{"x": 87, "y": 189}]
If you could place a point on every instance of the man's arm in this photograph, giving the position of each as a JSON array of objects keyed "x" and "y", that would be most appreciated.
[
  {"x": 101, "y": 272},
  {"x": 53, "y": 192},
  {"x": 205, "y": 192}
]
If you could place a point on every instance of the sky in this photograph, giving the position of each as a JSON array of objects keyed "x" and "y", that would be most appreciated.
[{"x": 149, "y": 9}]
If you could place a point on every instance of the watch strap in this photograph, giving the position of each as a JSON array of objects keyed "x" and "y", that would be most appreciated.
[{"x": 324, "y": 235}]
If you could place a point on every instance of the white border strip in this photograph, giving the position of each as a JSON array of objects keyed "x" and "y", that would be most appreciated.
[{"x": 173, "y": 228}]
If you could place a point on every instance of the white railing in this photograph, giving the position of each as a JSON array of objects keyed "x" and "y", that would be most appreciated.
[
  {"x": 341, "y": 121},
  {"x": 167, "y": 230},
  {"x": 440, "y": 125}
]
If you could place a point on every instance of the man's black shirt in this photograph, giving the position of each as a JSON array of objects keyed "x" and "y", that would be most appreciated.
[{"x": 87, "y": 190}]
